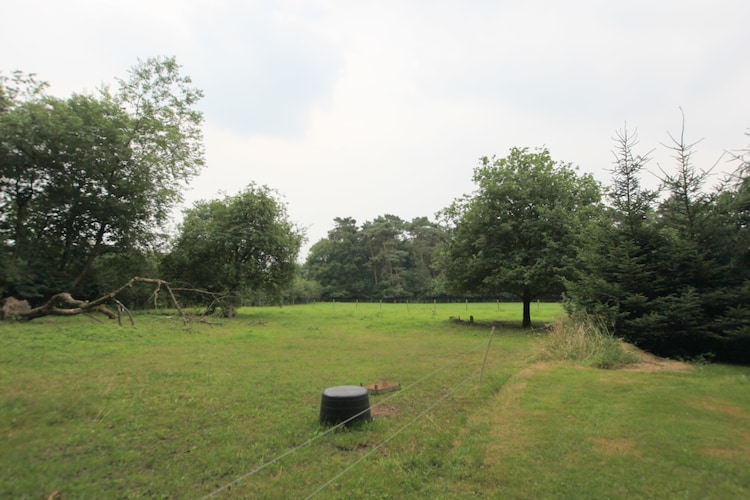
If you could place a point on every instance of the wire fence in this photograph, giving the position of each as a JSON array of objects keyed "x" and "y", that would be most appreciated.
[
  {"x": 442, "y": 398},
  {"x": 397, "y": 394}
]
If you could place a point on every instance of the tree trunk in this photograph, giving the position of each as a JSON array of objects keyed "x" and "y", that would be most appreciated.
[
  {"x": 526, "y": 308},
  {"x": 19, "y": 228},
  {"x": 92, "y": 255}
]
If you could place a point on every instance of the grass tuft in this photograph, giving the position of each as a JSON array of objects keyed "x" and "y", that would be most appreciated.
[{"x": 586, "y": 341}]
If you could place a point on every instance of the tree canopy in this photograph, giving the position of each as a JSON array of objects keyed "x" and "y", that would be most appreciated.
[
  {"x": 91, "y": 175},
  {"x": 670, "y": 276},
  {"x": 239, "y": 245},
  {"x": 516, "y": 233},
  {"x": 386, "y": 258}
]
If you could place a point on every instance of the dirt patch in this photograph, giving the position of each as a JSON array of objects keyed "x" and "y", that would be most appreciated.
[
  {"x": 384, "y": 411},
  {"x": 728, "y": 453},
  {"x": 612, "y": 447},
  {"x": 650, "y": 363},
  {"x": 740, "y": 447},
  {"x": 352, "y": 447},
  {"x": 740, "y": 452},
  {"x": 721, "y": 406}
]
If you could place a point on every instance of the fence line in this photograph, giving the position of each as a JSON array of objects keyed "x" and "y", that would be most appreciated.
[
  {"x": 341, "y": 424},
  {"x": 389, "y": 438}
]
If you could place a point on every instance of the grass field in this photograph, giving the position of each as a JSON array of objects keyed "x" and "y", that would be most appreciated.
[{"x": 230, "y": 410}]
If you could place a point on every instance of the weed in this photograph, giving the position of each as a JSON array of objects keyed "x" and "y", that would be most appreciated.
[{"x": 583, "y": 340}]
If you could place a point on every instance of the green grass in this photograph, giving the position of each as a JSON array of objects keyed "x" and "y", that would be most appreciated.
[{"x": 160, "y": 410}]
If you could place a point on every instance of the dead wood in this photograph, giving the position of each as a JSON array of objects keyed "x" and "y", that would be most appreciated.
[
  {"x": 13, "y": 307},
  {"x": 63, "y": 304}
]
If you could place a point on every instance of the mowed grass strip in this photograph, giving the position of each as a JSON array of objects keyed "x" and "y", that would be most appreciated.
[
  {"x": 560, "y": 430},
  {"x": 160, "y": 410}
]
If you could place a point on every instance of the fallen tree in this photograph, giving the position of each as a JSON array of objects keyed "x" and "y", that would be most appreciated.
[{"x": 63, "y": 304}]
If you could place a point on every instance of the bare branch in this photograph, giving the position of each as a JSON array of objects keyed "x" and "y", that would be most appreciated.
[{"x": 63, "y": 304}]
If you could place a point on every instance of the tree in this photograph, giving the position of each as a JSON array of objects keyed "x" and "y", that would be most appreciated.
[
  {"x": 236, "y": 245},
  {"x": 96, "y": 198},
  {"x": 424, "y": 237},
  {"x": 621, "y": 251},
  {"x": 385, "y": 240},
  {"x": 516, "y": 233},
  {"x": 387, "y": 258},
  {"x": 668, "y": 277},
  {"x": 339, "y": 263},
  {"x": 165, "y": 144},
  {"x": 165, "y": 133},
  {"x": 91, "y": 174}
]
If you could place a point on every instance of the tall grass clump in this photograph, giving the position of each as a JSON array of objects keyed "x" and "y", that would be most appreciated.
[{"x": 584, "y": 340}]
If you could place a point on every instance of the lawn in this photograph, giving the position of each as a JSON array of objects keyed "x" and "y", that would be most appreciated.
[{"x": 230, "y": 409}]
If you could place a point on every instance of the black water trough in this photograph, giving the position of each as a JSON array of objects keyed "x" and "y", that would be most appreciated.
[{"x": 341, "y": 403}]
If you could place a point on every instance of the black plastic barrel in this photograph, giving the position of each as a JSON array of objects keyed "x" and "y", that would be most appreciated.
[{"x": 341, "y": 403}]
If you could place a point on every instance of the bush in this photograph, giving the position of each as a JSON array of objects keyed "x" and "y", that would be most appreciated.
[{"x": 584, "y": 340}]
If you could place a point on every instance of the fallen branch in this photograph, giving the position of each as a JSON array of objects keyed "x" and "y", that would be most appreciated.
[{"x": 63, "y": 304}]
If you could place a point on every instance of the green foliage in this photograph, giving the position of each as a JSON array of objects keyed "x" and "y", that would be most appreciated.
[
  {"x": 386, "y": 247},
  {"x": 302, "y": 291},
  {"x": 238, "y": 245},
  {"x": 17, "y": 89},
  {"x": 339, "y": 263},
  {"x": 165, "y": 134},
  {"x": 387, "y": 258},
  {"x": 517, "y": 232},
  {"x": 91, "y": 175},
  {"x": 671, "y": 277}
]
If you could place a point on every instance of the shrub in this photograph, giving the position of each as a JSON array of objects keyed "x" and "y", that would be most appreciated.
[{"x": 584, "y": 340}]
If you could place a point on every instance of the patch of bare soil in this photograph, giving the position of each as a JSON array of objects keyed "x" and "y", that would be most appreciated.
[
  {"x": 384, "y": 411},
  {"x": 722, "y": 406},
  {"x": 741, "y": 451},
  {"x": 650, "y": 363}
]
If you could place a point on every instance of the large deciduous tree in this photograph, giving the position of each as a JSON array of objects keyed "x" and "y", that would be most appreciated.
[
  {"x": 516, "y": 233},
  {"x": 91, "y": 174},
  {"x": 235, "y": 246}
]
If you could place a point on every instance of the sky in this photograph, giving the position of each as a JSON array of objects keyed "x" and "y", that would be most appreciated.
[{"x": 366, "y": 108}]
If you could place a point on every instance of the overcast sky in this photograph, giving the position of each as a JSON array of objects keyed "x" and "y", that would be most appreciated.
[{"x": 362, "y": 108}]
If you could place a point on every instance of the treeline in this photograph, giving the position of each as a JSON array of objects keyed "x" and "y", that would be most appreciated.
[
  {"x": 386, "y": 258},
  {"x": 88, "y": 182}
]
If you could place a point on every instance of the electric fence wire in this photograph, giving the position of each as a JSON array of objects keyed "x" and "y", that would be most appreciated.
[
  {"x": 341, "y": 424},
  {"x": 389, "y": 438}
]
